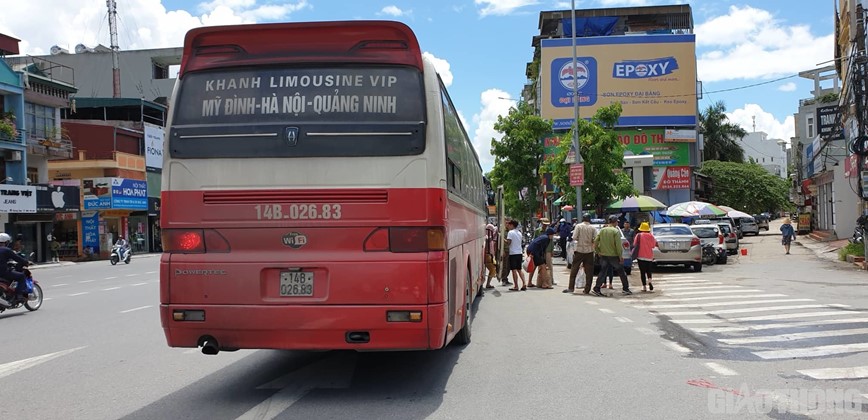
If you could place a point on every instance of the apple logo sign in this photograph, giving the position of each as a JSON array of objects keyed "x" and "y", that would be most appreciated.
[{"x": 57, "y": 198}]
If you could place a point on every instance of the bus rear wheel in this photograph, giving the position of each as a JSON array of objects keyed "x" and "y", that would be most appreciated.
[{"x": 463, "y": 336}]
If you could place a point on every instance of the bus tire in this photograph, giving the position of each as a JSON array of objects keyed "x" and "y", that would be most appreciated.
[{"x": 463, "y": 336}]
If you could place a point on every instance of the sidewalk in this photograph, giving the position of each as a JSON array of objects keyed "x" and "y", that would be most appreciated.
[
  {"x": 824, "y": 250},
  {"x": 68, "y": 263}
]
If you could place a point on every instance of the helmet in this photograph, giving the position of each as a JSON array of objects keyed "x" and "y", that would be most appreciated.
[{"x": 5, "y": 238}]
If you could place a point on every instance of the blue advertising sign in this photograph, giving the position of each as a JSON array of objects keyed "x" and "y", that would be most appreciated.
[
  {"x": 129, "y": 194},
  {"x": 585, "y": 74},
  {"x": 97, "y": 194},
  {"x": 90, "y": 230}
]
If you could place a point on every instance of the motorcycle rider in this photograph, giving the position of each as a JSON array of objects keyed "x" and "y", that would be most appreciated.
[
  {"x": 8, "y": 274},
  {"x": 123, "y": 247}
]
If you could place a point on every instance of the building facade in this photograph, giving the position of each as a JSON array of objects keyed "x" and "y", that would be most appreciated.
[
  {"x": 642, "y": 57},
  {"x": 771, "y": 154}
]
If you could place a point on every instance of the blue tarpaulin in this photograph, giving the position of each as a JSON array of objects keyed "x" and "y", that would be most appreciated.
[{"x": 590, "y": 26}]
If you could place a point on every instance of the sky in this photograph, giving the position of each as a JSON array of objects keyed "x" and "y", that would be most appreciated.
[{"x": 749, "y": 52}]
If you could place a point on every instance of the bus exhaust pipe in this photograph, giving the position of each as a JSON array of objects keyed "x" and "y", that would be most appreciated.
[{"x": 210, "y": 347}]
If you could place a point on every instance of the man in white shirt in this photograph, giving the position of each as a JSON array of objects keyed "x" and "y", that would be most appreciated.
[
  {"x": 513, "y": 240},
  {"x": 584, "y": 234}
]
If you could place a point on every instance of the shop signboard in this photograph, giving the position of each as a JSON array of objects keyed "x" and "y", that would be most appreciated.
[
  {"x": 129, "y": 194},
  {"x": 671, "y": 178},
  {"x": 115, "y": 193},
  {"x": 154, "y": 136},
  {"x": 90, "y": 230},
  {"x": 59, "y": 198},
  {"x": 652, "y": 142},
  {"x": 17, "y": 198},
  {"x": 652, "y": 76}
]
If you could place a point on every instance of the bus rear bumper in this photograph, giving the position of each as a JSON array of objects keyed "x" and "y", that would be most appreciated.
[{"x": 305, "y": 327}]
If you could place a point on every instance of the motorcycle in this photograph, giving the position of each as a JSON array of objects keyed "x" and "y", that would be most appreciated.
[
  {"x": 116, "y": 255},
  {"x": 709, "y": 254},
  {"x": 32, "y": 301},
  {"x": 858, "y": 232}
]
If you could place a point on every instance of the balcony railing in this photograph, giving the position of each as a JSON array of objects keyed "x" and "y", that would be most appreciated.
[
  {"x": 17, "y": 139},
  {"x": 50, "y": 148}
]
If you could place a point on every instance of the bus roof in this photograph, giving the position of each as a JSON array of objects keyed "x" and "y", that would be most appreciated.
[{"x": 374, "y": 42}]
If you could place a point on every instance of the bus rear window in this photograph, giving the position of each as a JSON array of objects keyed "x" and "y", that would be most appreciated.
[{"x": 299, "y": 112}]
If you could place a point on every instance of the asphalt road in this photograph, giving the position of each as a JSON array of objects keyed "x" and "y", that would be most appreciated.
[{"x": 733, "y": 341}]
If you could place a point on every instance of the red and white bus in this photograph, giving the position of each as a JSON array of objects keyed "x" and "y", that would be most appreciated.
[{"x": 319, "y": 192}]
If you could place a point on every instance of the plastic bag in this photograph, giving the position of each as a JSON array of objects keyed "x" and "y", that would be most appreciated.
[
  {"x": 528, "y": 265},
  {"x": 580, "y": 279}
]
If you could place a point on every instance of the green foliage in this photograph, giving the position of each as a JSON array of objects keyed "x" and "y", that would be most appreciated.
[
  {"x": 517, "y": 157},
  {"x": 746, "y": 187},
  {"x": 603, "y": 156},
  {"x": 7, "y": 125},
  {"x": 851, "y": 249},
  {"x": 721, "y": 136}
]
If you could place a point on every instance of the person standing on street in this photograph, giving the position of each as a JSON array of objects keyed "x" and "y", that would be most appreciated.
[
  {"x": 543, "y": 226},
  {"x": 513, "y": 241},
  {"x": 564, "y": 229},
  {"x": 490, "y": 252},
  {"x": 629, "y": 234},
  {"x": 608, "y": 247},
  {"x": 584, "y": 234},
  {"x": 788, "y": 234},
  {"x": 643, "y": 251},
  {"x": 537, "y": 250}
]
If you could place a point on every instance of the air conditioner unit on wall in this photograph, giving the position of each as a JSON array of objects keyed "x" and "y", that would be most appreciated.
[{"x": 12, "y": 155}]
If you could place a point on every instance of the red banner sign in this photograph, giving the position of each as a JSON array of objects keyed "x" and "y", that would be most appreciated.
[
  {"x": 577, "y": 174},
  {"x": 672, "y": 178},
  {"x": 850, "y": 164}
]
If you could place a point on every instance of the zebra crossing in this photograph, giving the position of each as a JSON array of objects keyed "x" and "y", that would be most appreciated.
[{"x": 763, "y": 325}]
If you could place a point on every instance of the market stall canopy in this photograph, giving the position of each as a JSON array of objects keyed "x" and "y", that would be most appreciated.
[
  {"x": 636, "y": 203},
  {"x": 695, "y": 209}
]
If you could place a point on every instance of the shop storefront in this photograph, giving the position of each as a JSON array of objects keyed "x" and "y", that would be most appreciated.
[
  {"x": 154, "y": 222},
  {"x": 113, "y": 208},
  {"x": 19, "y": 202}
]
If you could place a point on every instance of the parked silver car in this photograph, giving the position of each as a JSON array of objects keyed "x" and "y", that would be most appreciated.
[
  {"x": 676, "y": 245},
  {"x": 711, "y": 234},
  {"x": 748, "y": 226}
]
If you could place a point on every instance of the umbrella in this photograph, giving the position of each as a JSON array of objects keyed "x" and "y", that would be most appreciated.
[
  {"x": 637, "y": 203},
  {"x": 727, "y": 208},
  {"x": 694, "y": 209},
  {"x": 735, "y": 214},
  {"x": 559, "y": 201},
  {"x": 567, "y": 207}
]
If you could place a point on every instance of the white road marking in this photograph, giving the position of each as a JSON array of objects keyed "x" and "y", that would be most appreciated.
[
  {"x": 703, "y": 287},
  {"x": 646, "y": 331},
  {"x": 109, "y": 278},
  {"x": 739, "y": 302},
  {"x": 744, "y": 310},
  {"x": 713, "y": 292},
  {"x": 777, "y": 326},
  {"x": 63, "y": 277},
  {"x": 7, "y": 369},
  {"x": 325, "y": 373},
  {"x": 677, "y": 347},
  {"x": 794, "y": 336},
  {"x": 60, "y": 284},
  {"x": 150, "y": 272},
  {"x": 608, "y": 311},
  {"x": 111, "y": 288},
  {"x": 191, "y": 351},
  {"x": 591, "y": 302},
  {"x": 78, "y": 294},
  {"x": 623, "y": 319},
  {"x": 721, "y": 369},
  {"x": 132, "y": 275},
  {"x": 87, "y": 281},
  {"x": 136, "y": 309},
  {"x": 677, "y": 277},
  {"x": 696, "y": 299},
  {"x": 857, "y": 372},
  {"x": 792, "y": 316},
  {"x": 817, "y": 351},
  {"x": 697, "y": 321},
  {"x": 674, "y": 282},
  {"x": 139, "y": 284},
  {"x": 44, "y": 299}
]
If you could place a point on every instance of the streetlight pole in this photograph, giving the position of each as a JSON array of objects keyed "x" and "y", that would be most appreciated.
[{"x": 576, "y": 110}]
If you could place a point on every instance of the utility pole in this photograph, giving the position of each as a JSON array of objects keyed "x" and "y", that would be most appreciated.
[
  {"x": 576, "y": 112},
  {"x": 113, "y": 30}
]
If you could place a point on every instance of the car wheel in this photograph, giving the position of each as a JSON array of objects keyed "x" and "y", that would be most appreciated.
[{"x": 697, "y": 267}]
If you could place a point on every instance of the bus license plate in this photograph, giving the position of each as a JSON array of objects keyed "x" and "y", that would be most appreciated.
[{"x": 296, "y": 283}]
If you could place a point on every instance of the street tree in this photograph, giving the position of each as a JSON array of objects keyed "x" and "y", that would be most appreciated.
[
  {"x": 517, "y": 159},
  {"x": 603, "y": 156},
  {"x": 746, "y": 186},
  {"x": 721, "y": 136}
]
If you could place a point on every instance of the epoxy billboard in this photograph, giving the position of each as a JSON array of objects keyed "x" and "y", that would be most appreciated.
[{"x": 653, "y": 76}]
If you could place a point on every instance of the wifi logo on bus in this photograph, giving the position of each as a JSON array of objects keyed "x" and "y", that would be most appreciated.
[{"x": 295, "y": 240}]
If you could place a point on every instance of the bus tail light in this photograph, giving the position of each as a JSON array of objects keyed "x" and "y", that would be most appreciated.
[
  {"x": 377, "y": 241},
  {"x": 417, "y": 239},
  {"x": 193, "y": 241}
]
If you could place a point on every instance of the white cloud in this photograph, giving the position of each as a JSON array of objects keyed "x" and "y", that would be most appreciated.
[
  {"x": 442, "y": 66},
  {"x": 394, "y": 11},
  {"x": 765, "y": 122},
  {"x": 142, "y": 23},
  {"x": 494, "y": 102},
  {"x": 749, "y": 43},
  {"x": 502, "y": 7},
  {"x": 787, "y": 87},
  {"x": 608, "y": 3}
]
